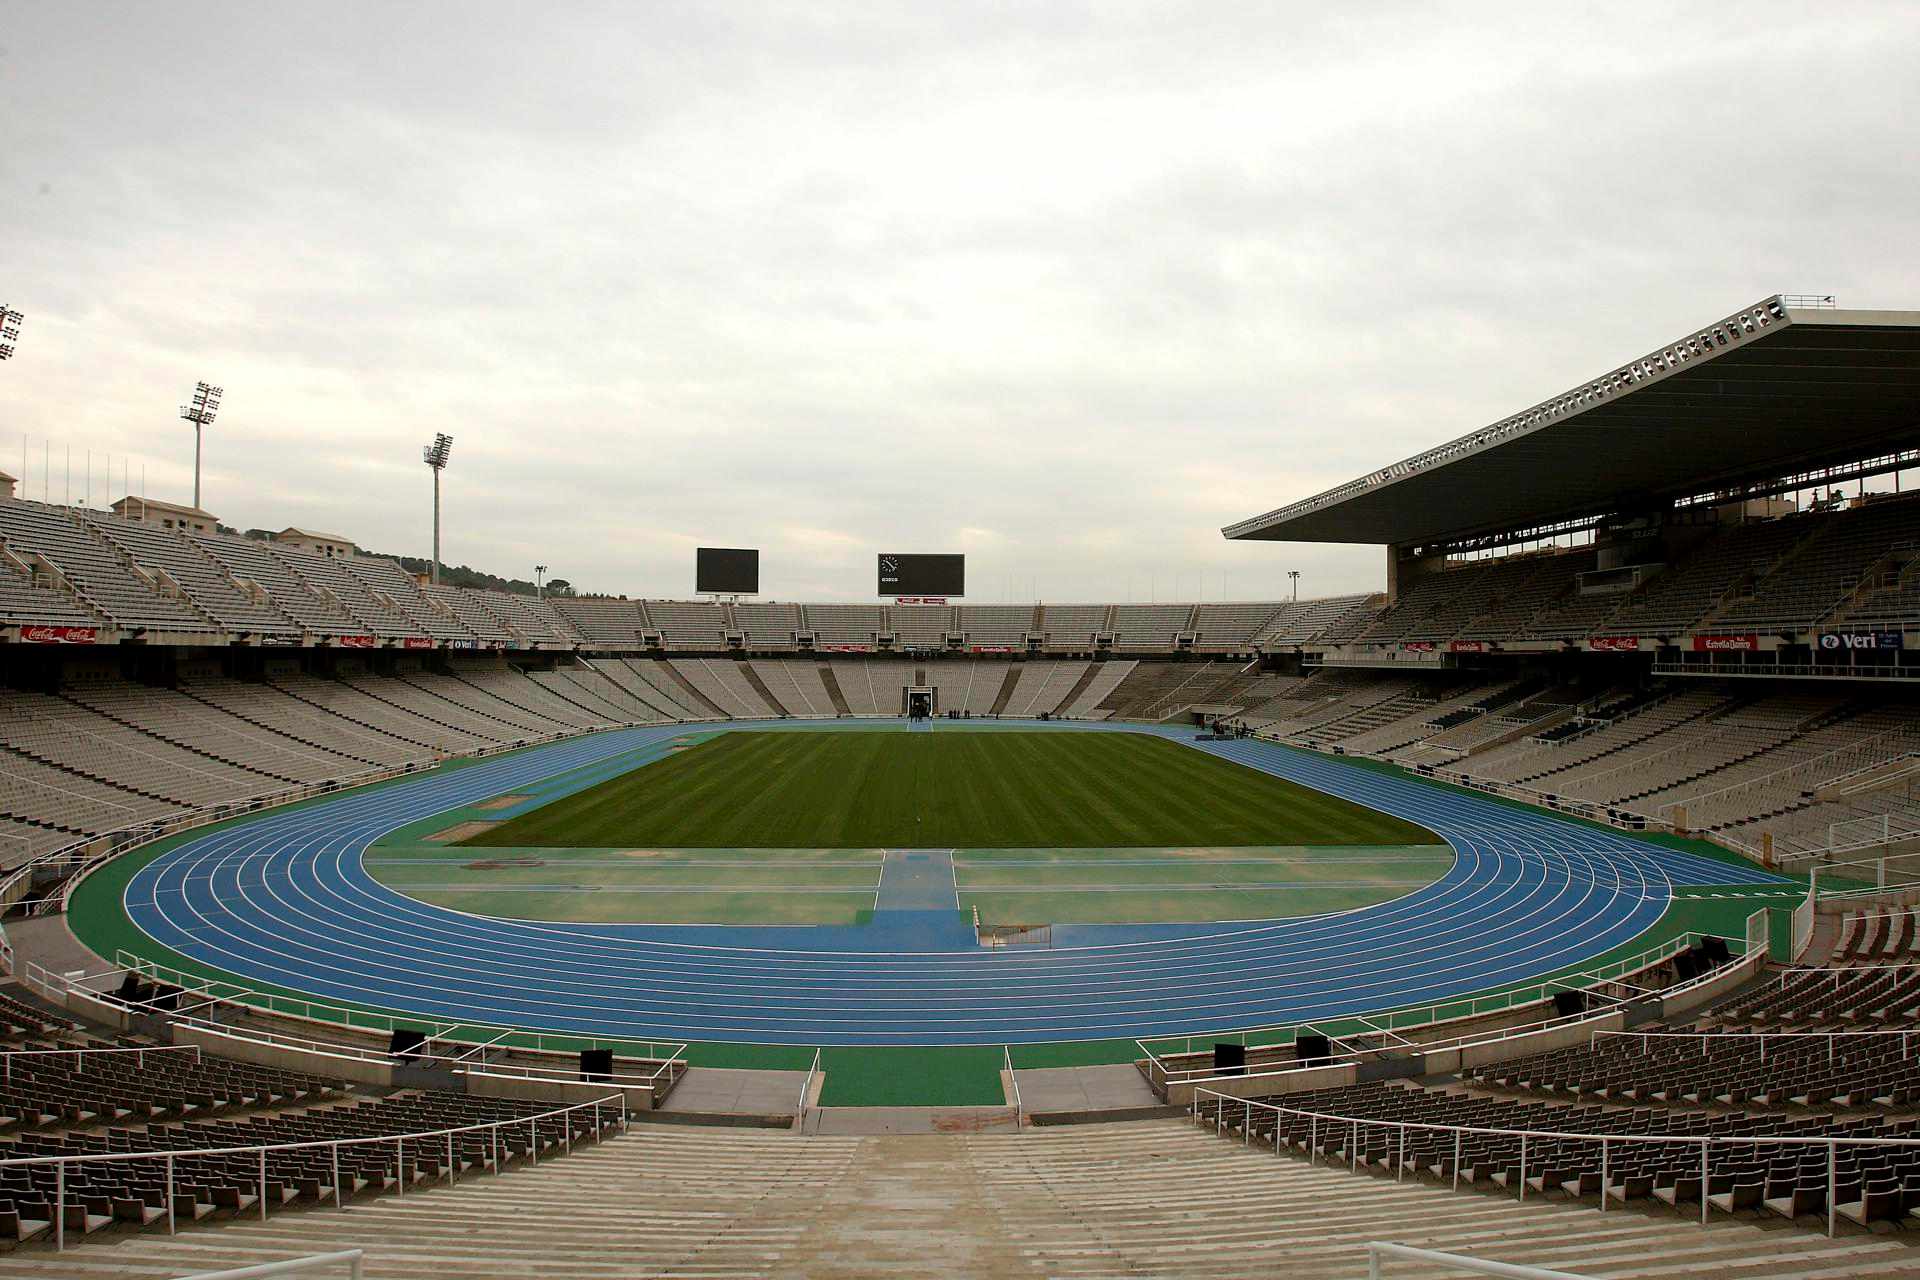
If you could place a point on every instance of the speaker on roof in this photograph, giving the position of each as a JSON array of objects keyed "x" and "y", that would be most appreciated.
[
  {"x": 1312, "y": 1048},
  {"x": 1229, "y": 1059},
  {"x": 596, "y": 1064},
  {"x": 1569, "y": 1004},
  {"x": 1714, "y": 950},
  {"x": 405, "y": 1043}
]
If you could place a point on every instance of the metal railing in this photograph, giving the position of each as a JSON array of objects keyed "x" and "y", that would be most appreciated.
[
  {"x": 1379, "y": 1250},
  {"x": 332, "y": 1146},
  {"x": 80, "y": 1056},
  {"x": 1013, "y": 1080},
  {"x": 667, "y": 1058},
  {"x": 1607, "y": 1142},
  {"x": 212, "y": 992},
  {"x": 1710, "y": 1039},
  {"x": 1158, "y": 1048},
  {"x": 353, "y": 1259},
  {"x": 806, "y": 1094}
]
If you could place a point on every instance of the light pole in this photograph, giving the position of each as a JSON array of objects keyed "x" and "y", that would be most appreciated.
[
  {"x": 206, "y": 403},
  {"x": 539, "y": 573},
  {"x": 1293, "y": 575},
  {"x": 435, "y": 455},
  {"x": 9, "y": 330}
]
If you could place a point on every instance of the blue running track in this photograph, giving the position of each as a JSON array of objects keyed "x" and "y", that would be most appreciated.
[{"x": 284, "y": 900}]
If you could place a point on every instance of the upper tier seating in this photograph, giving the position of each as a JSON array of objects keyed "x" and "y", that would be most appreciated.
[
  {"x": 922, "y": 626},
  {"x": 328, "y": 575},
  {"x": 1688, "y": 591},
  {"x": 858, "y": 624},
  {"x": 204, "y": 580},
  {"x": 252, "y": 561},
  {"x": 690, "y": 624},
  {"x": 1232, "y": 627},
  {"x": 94, "y": 567},
  {"x": 27, "y": 598},
  {"x": 535, "y": 619},
  {"x": 996, "y": 624},
  {"x": 604, "y": 619},
  {"x": 472, "y": 613},
  {"x": 768, "y": 626},
  {"x": 1072, "y": 626},
  {"x": 1805, "y": 587},
  {"x": 387, "y": 581},
  {"x": 1153, "y": 626}
]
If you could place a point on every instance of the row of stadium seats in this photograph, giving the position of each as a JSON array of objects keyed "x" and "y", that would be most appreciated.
[
  {"x": 1738, "y": 759},
  {"x": 1870, "y": 1181},
  {"x": 67, "y": 566},
  {"x": 103, "y": 755},
  {"x": 1853, "y": 568},
  {"x": 774, "y": 626},
  {"x": 132, "y": 575}
]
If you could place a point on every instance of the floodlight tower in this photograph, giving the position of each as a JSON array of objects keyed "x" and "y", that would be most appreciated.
[
  {"x": 1293, "y": 575},
  {"x": 435, "y": 455},
  {"x": 539, "y": 576},
  {"x": 206, "y": 403},
  {"x": 9, "y": 329}
]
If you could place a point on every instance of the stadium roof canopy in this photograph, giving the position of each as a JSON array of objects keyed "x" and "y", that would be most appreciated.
[{"x": 1786, "y": 387}]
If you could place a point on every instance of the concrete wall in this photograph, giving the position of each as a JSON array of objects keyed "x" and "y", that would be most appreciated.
[
  {"x": 1266, "y": 1086},
  {"x": 559, "y": 1092},
  {"x": 286, "y": 1058}
]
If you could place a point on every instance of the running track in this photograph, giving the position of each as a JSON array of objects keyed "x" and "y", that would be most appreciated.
[{"x": 284, "y": 901}]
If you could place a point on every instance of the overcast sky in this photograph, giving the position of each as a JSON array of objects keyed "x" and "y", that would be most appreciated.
[{"x": 1066, "y": 287}]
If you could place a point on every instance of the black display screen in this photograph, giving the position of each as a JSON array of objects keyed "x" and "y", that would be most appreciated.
[
  {"x": 726, "y": 571},
  {"x": 922, "y": 575}
]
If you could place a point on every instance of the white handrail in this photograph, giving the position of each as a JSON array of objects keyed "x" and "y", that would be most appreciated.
[
  {"x": 220, "y": 992},
  {"x": 1706, "y": 1142},
  {"x": 1537, "y": 992},
  {"x": 1379, "y": 1249},
  {"x": 1013, "y": 1078},
  {"x": 353, "y": 1258},
  {"x": 6, "y": 1058},
  {"x": 397, "y": 1141},
  {"x": 806, "y": 1094}
]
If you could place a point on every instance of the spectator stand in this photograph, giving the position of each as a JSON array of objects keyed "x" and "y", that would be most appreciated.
[
  {"x": 1851, "y": 1174},
  {"x": 241, "y": 1023},
  {"x": 1454, "y": 1033},
  {"x": 325, "y": 1169}
]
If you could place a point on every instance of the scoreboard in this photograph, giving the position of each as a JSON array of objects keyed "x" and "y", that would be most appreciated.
[
  {"x": 726, "y": 571},
  {"x": 902, "y": 574}
]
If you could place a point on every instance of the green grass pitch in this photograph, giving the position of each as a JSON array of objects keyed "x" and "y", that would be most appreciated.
[{"x": 946, "y": 790}]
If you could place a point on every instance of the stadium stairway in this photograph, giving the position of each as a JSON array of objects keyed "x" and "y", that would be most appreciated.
[
  {"x": 752, "y": 677},
  {"x": 1149, "y": 1198},
  {"x": 831, "y": 683}
]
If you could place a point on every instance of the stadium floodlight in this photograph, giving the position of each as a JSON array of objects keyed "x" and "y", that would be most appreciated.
[
  {"x": 435, "y": 456},
  {"x": 200, "y": 412},
  {"x": 539, "y": 573},
  {"x": 1293, "y": 576},
  {"x": 9, "y": 330}
]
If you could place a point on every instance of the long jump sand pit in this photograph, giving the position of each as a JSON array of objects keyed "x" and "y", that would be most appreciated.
[
  {"x": 502, "y": 802},
  {"x": 461, "y": 831}
]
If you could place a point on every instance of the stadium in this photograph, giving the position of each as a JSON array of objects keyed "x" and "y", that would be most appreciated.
[
  {"x": 1535, "y": 895},
  {"x": 1604, "y": 801}
]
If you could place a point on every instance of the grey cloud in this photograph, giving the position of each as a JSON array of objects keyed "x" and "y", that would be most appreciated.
[{"x": 827, "y": 277}]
